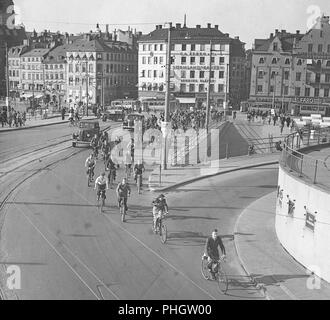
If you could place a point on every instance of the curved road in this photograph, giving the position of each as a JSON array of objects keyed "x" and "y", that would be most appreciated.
[{"x": 66, "y": 249}]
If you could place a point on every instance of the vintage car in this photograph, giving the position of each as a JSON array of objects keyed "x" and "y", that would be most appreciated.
[
  {"x": 113, "y": 115},
  {"x": 87, "y": 130},
  {"x": 129, "y": 122}
]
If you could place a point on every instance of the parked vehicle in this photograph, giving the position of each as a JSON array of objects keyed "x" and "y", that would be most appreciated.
[{"x": 87, "y": 130}]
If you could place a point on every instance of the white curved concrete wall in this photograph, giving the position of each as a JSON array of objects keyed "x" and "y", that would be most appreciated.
[{"x": 310, "y": 248}]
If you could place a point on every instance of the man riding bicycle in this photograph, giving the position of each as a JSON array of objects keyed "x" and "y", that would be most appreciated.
[
  {"x": 123, "y": 192},
  {"x": 105, "y": 137},
  {"x": 101, "y": 183},
  {"x": 138, "y": 170},
  {"x": 95, "y": 144},
  {"x": 211, "y": 251},
  {"x": 90, "y": 165},
  {"x": 160, "y": 207},
  {"x": 111, "y": 166}
]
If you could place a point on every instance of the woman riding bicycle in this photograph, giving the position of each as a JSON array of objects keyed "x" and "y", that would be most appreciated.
[{"x": 160, "y": 208}]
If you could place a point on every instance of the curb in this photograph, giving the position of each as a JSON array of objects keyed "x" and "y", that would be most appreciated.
[
  {"x": 191, "y": 180},
  {"x": 259, "y": 286}
]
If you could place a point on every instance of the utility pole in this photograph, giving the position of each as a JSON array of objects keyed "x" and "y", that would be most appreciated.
[
  {"x": 208, "y": 98},
  {"x": 167, "y": 98},
  {"x": 226, "y": 92},
  {"x": 87, "y": 95},
  {"x": 7, "y": 79}
]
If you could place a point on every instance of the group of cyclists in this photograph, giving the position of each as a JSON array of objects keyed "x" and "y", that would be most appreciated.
[{"x": 123, "y": 191}]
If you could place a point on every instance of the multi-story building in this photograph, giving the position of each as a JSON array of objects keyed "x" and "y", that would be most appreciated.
[
  {"x": 10, "y": 35},
  {"x": 190, "y": 70},
  {"x": 33, "y": 73},
  {"x": 15, "y": 72},
  {"x": 55, "y": 73},
  {"x": 106, "y": 70},
  {"x": 291, "y": 72}
]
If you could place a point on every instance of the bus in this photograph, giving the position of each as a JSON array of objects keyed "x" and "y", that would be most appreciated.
[
  {"x": 125, "y": 104},
  {"x": 158, "y": 105}
]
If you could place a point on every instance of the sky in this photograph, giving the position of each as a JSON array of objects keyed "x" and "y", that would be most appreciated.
[{"x": 248, "y": 19}]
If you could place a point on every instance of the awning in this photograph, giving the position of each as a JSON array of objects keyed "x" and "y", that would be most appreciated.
[
  {"x": 187, "y": 100},
  {"x": 27, "y": 96},
  {"x": 38, "y": 96}
]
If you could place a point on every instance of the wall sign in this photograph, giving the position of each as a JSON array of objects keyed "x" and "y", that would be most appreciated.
[{"x": 310, "y": 219}]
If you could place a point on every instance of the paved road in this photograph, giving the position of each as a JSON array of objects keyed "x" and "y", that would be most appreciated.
[{"x": 66, "y": 249}]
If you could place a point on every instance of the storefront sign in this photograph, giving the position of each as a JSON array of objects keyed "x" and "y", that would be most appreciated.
[
  {"x": 197, "y": 68},
  {"x": 306, "y": 100}
]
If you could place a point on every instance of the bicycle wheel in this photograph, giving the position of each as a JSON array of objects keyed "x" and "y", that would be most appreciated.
[
  {"x": 222, "y": 280},
  {"x": 163, "y": 233},
  {"x": 102, "y": 204},
  {"x": 204, "y": 269},
  {"x": 138, "y": 183}
]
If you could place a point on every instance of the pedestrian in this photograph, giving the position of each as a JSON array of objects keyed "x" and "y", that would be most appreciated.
[{"x": 63, "y": 113}]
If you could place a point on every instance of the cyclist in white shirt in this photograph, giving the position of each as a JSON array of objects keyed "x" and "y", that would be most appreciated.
[{"x": 101, "y": 183}]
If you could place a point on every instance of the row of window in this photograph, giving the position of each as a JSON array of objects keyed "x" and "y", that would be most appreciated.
[
  {"x": 288, "y": 61},
  {"x": 13, "y": 73},
  {"x": 13, "y": 62},
  {"x": 152, "y": 60},
  {"x": 298, "y": 91},
  {"x": 184, "y": 60},
  {"x": 120, "y": 80},
  {"x": 184, "y": 74},
  {"x": 298, "y": 77},
  {"x": 200, "y": 88},
  {"x": 110, "y": 68},
  {"x": 319, "y": 47},
  {"x": 33, "y": 59},
  {"x": 182, "y": 47}
]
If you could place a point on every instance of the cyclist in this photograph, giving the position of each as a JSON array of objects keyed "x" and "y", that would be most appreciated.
[
  {"x": 128, "y": 162},
  {"x": 95, "y": 144},
  {"x": 105, "y": 137},
  {"x": 211, "y": 250},
  {"x": 105, "y": 148},
  {"x": 111, "y": 166},
  {"x": 117, "y": 140},
  {"x": 160, "y": 207},
  {"x": 138, "y": 170},
  {"x": 123, "y": 192},
  {"x": 90, "y": 164},
  {"x": 101, "y": 183}
]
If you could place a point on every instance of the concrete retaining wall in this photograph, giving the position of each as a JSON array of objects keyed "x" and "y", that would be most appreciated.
[{"x": 305, "y": 232}]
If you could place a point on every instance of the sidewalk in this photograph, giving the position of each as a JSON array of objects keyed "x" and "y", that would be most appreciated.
[
  {"x": 177, "y": 176},
  {"x": 34, "y": 123},
  {"x": 266, "y": 261}
]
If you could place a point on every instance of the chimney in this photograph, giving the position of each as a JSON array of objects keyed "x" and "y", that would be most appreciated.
[
  {"x": 157, "y": 27},
  {"x": 271, "y": 35},
  {"x": 160, "y": 27},
  {"x": 276, "y": 31},
  {"x": 107, "y": 28},
  {"x": 297, "y": 31},
  {"x": 178, "y": 25},
  {"x": 237, "y": 38},
  {"x": 216, "y": 27},
  {"x": 227, "y": 35},
  {"x": 198, "y": 26},
  {"x": 209, "y": 25},
  {"x": 283, "y": 31}
]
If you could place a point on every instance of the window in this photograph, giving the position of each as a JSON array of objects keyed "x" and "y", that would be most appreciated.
[
  {"x": 184, "y": 47},
  {"x": 328, "y": 63},
  {"x": 143, "y": 73},
  {"x": 201, "y": 88},
  {"x": 155, "y": 47},
  {"x": 149, "y": 47},
  {"x": 259, "y": 88},
  {"x": 149, "y": 73},
  {"x": 327, "y": 77},
  {"x": 326, "y": 92},
  {"x": 221, "y": 74},
  {"x": 183, "y": 60},
  {"x": 271, "y": 89},
  {"x": 182, "y": 87},
  {"x": 160, "y": 47},
  {"x": 308, "y": 77},
  {"x": 298, "y": 76},
  {"x": 274, "y": 61},
  {"x": 220, "y": 87},
  {"x": 297, "y": 91},
  {"x": 202, "y": 47},
  {"x": 307, "y": 92},
  {"x": 155, "y": 73},
  {"x": 161, "y": 60},
  {"x": 328, "y": 48},
  {"x": 286, "y": 75},
  {"x": 155, "y": 60},
  {"x": 275, "y": 46},
  {"x": 222, "y": 60},
  {"x": 262, "y": 60},
  {"x": 192, "y": 74},
  {"x": 310, "y": 47},
  {"x": 193, "y": 47},
  {"x": 287, "y": 61},
  {"x": 320, "y": 48},
  {"x": 201, "y": 74},
  {"x": 299, "y": 63},
  {"x": 212, "y": 87},
  {"x": 212, "y": 59},
  {"x": 273, "y": 74},
  {"x": 317, "y": 77},
  {"x": 286, "y": 90},
  {"x": 202, "y": 60},
  {"x": 183, "y": 74},
  {"x": 316, "y": 92},
  {"x": 144, "y": 60},
  {"x": 144, "y": 47},
  {"x": 192, "y": 60},
  {"x": 260, "y": 74},
  {"x": 191, "y": 87},
  {"x": 212, "y": 74}
]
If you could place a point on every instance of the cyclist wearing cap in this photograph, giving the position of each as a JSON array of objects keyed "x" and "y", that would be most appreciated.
[
  {"x": 101, "y": 183},
  {"x": 211, "y": 250},
  {"x": 123, "y": 192},
  {"x": 160, "y": 207},
  {"x": 90, "y": 164}
]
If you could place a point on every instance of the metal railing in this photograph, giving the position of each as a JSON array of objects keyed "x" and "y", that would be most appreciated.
[{"x": 305, "y": 166}]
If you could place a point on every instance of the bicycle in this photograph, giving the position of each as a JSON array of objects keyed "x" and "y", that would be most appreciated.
[
  {"x": 139, "y": 182},
  {"x": 160, "y": 228},
  {"x": 122, "y": 209},
  {"x": 220, "y": 274},
  {"x": 111, "y": 177},
  {"x": 103, "y": 197},
  {"x": 89, "y": 176}
]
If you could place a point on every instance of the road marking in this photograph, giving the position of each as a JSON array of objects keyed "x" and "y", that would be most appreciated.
[
  {"x": 58, "y": 253},
  {"x": 138, "y": 240}
]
